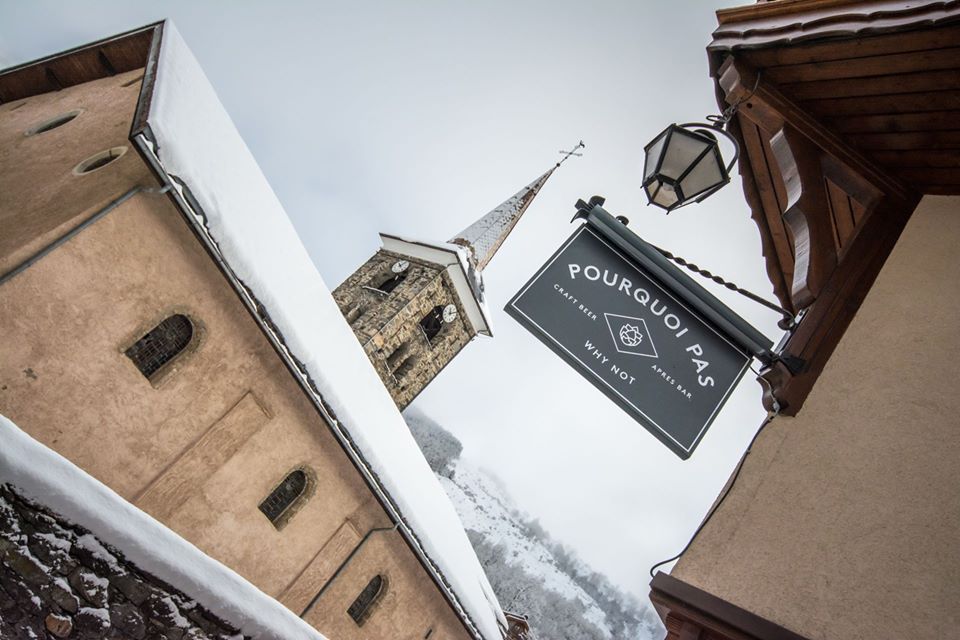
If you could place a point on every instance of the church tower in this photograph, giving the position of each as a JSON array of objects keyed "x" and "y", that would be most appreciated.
[{"x": 415, "y": 305}]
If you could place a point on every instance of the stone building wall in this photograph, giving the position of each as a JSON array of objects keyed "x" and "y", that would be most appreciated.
[
  {"x": 57, "y": 580},
  {"x": 387, "y": 324}
]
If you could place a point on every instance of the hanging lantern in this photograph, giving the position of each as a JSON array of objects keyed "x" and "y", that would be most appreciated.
[{"x": 683, "y": 164}]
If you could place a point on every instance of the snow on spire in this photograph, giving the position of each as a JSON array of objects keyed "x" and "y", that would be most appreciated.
[{"x": 485, "y": 236}]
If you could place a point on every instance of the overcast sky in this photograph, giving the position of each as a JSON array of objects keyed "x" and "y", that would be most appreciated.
[{"x": 417, "y": 118}]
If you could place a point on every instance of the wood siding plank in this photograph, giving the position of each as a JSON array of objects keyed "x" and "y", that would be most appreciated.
[
  {"x": 899, "y": 123},
  {"x": 891, "y": 104},
  {"x": 919, "y": 40},
  {"x": 753, "y": 136},
  {"x": 932, "y": 176},
  {"x": 863, "y": 67},
  {"x": 843, "y": 220},
  {"x": 915, "y": 140},
  {"x": 873, "y": 86}
]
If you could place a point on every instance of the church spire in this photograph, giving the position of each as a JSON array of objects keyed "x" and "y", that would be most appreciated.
[{"x": 485, "y": 236}]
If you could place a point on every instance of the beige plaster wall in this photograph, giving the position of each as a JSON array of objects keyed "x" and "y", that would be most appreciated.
[
  {"x": 200, "y": 447},
  {"x": 845, "y": 522},
  {"x": 40, "y": 197}
]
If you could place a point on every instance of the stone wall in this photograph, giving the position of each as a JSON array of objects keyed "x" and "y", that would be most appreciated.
[
  {"x": 57, "y": 580},
  {"x": 388, "y": 324}
]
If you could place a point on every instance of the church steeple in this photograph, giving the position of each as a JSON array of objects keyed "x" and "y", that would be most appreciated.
[
  {"x": 484, "y": 237},
  {"x": 414, "y": 305}
]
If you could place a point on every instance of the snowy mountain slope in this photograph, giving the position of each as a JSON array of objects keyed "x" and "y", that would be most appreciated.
[
  {"x": 530, "y": 572},
  {"x": 484, "y": 509}
]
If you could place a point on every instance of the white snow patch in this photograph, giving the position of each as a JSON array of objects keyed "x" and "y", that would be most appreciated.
[
  {"x": 174, "y": 612},
  {"x": 56, "y": 541},
  {"x": 94, "y": 580},
  {"x": 43, "y": 475},
  {"x": 103, "y": 614},
  {"x": 91, "y": 544},
  {"x": 197, "y": 141}
]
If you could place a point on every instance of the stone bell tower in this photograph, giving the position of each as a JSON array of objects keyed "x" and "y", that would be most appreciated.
[{"x": 415, "y": 305}]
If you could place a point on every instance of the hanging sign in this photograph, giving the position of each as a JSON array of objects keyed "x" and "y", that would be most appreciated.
[{"x": 633, "y": 338}]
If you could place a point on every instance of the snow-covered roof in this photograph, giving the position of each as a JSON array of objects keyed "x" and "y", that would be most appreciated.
[
  {"x": 196, "y": 141},
  {"x": 41, "y": 474}
]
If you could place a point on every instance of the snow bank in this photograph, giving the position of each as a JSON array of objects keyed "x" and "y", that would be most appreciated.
[
  {"x": 197, "y": 142},
  {"x": 43, "y": 475}
]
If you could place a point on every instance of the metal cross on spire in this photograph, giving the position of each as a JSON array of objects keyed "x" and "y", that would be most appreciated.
[
  {"x": 485, "y": 236},
  {"x": 572, "y": 152}
]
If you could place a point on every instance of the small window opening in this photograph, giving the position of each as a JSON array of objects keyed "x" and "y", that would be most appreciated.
[
  {"x": 99, "y": 160},
  {"x": 161, "y": 344},
  {"x": 360, "y": 609},
  {"x": 53, "y": 123},
  {"x": 392, "y": 281},
  {"x": 432, "y": 323},
  {"x": 284, "y": 496},
  {"x": 354, "y": 314},
  {"x": 406, "y": 367},
  {"x": 398, "y": 355}
]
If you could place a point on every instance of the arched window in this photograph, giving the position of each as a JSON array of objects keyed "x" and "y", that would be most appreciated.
[
  {"x": 391, "y": 282},
  {"x": 406, "y": 367},
  {"x": 277, "y": 505},
  {"x": 396, "y": 358},
  {"x": 161, "y": 344},
  {"x": 360, "y": 608},
  {"x": 432, "y": 323}
]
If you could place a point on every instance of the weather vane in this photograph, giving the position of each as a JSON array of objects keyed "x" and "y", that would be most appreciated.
[{"x": 572, "y": 152}]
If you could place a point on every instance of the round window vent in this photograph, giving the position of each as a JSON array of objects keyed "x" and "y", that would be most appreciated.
[
  {"x": 53, "y": 123},
  {"x": 99, "y": 160}
]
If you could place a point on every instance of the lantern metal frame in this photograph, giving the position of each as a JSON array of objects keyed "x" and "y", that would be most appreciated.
[{"x": 701, "y": 130}]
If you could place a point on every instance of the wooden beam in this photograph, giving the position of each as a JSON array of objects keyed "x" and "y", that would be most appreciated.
[
  {"x": 689, "y": 609},
  {"x": 863, "y": 67},
  {"x": 767, "y": 107},
  {"x": 864, "y": 46},
  {"x": 899, "y": 123},
  {"x": 941, "y": 80},
  {"x": 914, "y": 140},
  {"x": 889, "y": 104},
  {"x": 807, "y": 213},
  {"x": 931, "y": 176}
]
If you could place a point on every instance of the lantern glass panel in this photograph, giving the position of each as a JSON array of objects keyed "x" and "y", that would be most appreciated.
[
  {"x": 653, "y": 155},
  {"x": 662, "y": 194},
  {"x": 681, "y": 152},
  {"x": 705, "y": 175}
]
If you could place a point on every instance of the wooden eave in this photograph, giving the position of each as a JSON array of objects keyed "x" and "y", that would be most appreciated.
[
  {"x": 101, "y": 59},
  {"x": 847, "y": 113}
]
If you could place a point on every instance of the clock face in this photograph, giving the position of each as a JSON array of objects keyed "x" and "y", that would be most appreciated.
[
  {"x": 450, "y": 313},
  {"x": 400, "y": 266}
]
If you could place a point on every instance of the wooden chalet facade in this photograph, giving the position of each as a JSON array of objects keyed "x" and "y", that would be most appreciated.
[{"x": 844, "y": 520}]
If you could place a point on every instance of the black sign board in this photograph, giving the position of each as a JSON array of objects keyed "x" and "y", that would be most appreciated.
[{"x": 642, "y": 344}]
